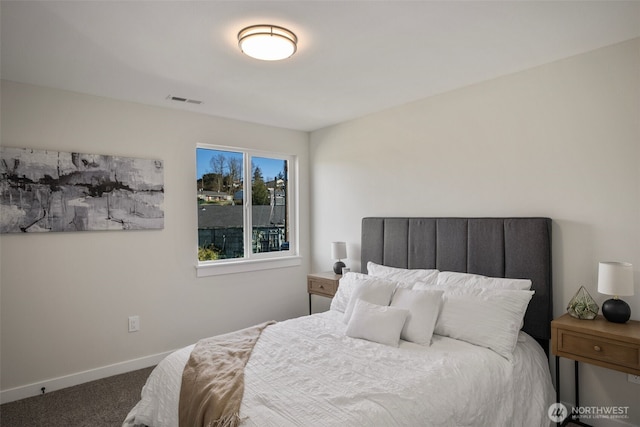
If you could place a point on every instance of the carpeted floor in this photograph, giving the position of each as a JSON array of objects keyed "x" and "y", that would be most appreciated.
[{"x": 104, "y": 402}]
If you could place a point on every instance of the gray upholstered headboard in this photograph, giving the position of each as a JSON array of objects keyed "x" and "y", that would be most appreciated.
[{"x": 518, "y": 248}]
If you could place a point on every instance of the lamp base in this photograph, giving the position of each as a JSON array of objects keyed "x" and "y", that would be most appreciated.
[
  {"x": 616, "y": 311},
  {"x": 337, "y": 267}
]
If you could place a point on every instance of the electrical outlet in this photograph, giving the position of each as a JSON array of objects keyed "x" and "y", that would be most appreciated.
[
  {"x": 633, "y": 378},
  {"x": 134, "y": 323}
]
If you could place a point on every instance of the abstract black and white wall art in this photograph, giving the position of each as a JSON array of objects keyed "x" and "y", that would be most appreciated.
[{"x": 43, "y": 191}]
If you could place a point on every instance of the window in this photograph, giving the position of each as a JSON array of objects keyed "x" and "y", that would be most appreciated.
[{"x": 246, "y": 210}]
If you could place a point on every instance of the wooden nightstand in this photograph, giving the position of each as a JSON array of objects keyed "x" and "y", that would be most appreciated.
[
  {"x": 597, "y": 342},
  {"x": 324, "y": 284}
]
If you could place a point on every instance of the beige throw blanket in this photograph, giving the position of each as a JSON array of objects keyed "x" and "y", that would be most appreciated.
[{"x": 213, "y": 379}]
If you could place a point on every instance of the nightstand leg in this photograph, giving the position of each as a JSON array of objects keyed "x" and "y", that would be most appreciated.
[
  {"x": 576, "y": 378},
  {"x": 309, "y": 303},
  {"x": 558, "y": 383},
  {"x": 557, "y": 379}
]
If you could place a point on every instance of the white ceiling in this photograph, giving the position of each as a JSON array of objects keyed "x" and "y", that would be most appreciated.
[{"x": 354, "y": 57}]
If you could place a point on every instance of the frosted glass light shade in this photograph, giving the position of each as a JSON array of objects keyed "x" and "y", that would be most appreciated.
[
  {"x": 615, "y": 278},
  {"x": 267, "y": 42}
]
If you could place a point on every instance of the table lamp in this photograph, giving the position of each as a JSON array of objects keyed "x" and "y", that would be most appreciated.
[
  {"x": 339, "y": 252},
  {"x": 615, "y": 278}
]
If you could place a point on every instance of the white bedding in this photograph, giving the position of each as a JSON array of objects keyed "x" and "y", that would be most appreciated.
[{"x": 306, "y": 372}]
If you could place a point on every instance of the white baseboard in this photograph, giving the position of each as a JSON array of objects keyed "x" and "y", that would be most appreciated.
[{"x": 53, "y": 384}]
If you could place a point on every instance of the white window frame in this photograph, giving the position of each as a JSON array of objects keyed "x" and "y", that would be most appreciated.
[{"x": 264, "y": 260}]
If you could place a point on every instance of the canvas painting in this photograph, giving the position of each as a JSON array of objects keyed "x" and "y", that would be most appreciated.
[{"x": 44, "y": 191}]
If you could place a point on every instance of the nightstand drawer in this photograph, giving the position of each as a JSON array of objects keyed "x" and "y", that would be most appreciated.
[
  {"x": 599, "y": 349},
  {"x": 322, "y": 287}
]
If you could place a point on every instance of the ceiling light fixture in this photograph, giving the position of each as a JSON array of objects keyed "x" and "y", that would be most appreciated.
[{"x": 267, "y": 42}]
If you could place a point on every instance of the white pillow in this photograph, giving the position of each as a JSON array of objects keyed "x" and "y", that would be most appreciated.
[
  {"x": 404, "y": 275},
  {"x": 469, "y": 290},
  {"x": 374, "y": 290},
  {"x": 486, "y": 317},
  {"x": 447, "y": 278},
  {"x": 345, "y": 289},
  {"x": 423, "y": 307},
  {"x": 381, "y": 324},
  {"x": 505, "y": 283}
]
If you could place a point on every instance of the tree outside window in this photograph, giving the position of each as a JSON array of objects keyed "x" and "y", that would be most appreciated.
[{"x": 224, "y": 214}]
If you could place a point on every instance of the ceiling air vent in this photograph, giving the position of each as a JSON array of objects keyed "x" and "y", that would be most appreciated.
[{"x": 181, "y": 99}]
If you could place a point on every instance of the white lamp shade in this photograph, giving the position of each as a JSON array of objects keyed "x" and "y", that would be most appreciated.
[
  {"x": 615, "y": 278},
  {"x": 338, "y": 250}
]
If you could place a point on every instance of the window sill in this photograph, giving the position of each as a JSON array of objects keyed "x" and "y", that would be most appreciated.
[{"x": 243, "y": 266}]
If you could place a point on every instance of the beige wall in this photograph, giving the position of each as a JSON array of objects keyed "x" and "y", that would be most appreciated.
[
  {"x": 66, "y": 297},
  {"x": 561, "y": 140}
]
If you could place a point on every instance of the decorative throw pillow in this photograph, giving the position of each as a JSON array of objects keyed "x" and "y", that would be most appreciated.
[
  {"x": 489, "y": 318},
  {"x": 345, "y": 289},
  {"x": 374, "y": 290},
  {"x": 447, "y": 278},
  {"x": 423, "y": 306},
  {"x": 381, "y": 324},
  {"x": 403, "y": 275}
]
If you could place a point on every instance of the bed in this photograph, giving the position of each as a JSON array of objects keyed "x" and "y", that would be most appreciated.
[{"x": 347, "y": 366}]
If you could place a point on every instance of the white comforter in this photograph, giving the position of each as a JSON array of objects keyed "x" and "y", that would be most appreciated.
[{"x": 306, "y": 372}]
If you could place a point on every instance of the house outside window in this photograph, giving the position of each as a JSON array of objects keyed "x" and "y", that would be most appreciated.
[{"x": 246, "y": 209}]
